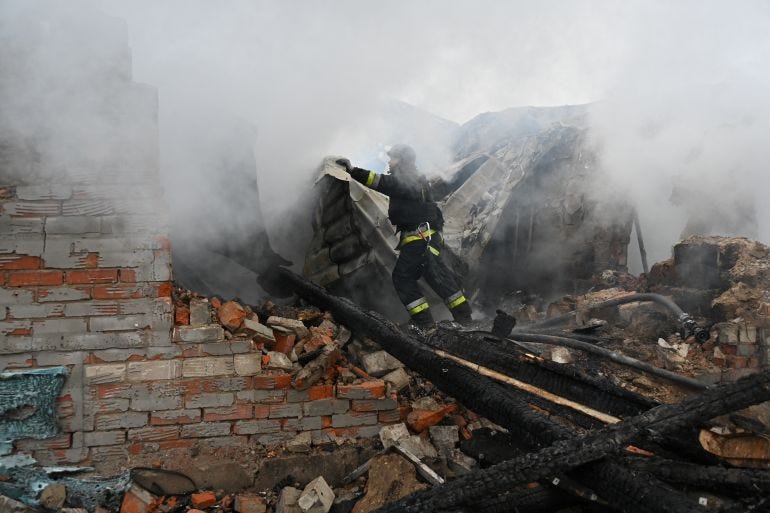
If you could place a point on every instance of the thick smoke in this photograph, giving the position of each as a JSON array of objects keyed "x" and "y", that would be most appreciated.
[{"x": 679, "y": 89}]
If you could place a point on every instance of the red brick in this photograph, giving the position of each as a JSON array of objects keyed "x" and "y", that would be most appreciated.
[
  {"x": 250, "y": 503},
  {"x": 20, "y": 262},
  {"x": 112, "y": 390},
  {"x": 261, "y": 411},
  {"x": 20, "y": 332},
  {"x": 326, "y": 421},
  {"x": 137, "y": 501},
  {"x": 203, "y": 499},
  {"x": 33, "y": 278},
  {"x": 215, "y": 385},
  {"x": 128, "y": 276},
  {"x": 182, "y": 316},
  {"x": 237, "y": 412},
  {"x": 2, "y": 279},
  {"x": 320, "y": 392},
  {"x": 272, "y": 381},
  {"x": 90, "y": 261},
  {"x": 117, "y": 292},
  {"x": 728, "y": 349},
  {"x": 176, "y": 444},
  {"x": 92, "y": 276},
  {"x": 231, "y": 315},
  {"x": 365, "y": 390},
  {"x": 165, "y": 289},
  {"x": 739, "y": 362},
  {"x": 389, "y": 416}
]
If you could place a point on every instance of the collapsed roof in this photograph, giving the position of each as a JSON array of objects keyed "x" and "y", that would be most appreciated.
[{"x": 525, "y": 204}]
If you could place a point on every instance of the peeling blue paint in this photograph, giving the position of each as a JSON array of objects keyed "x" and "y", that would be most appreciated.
[{"x": 28, "y": 404}]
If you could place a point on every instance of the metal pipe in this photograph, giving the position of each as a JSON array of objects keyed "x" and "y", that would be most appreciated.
[{"x": 640, "y": 240}]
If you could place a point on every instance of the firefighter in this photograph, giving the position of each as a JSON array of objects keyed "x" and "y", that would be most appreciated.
[{"x": 419, "y": 221}]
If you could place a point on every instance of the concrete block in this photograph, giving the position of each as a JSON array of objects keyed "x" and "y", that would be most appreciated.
[
  {"x": 205, "y": 429},
  {"x": 209, "y": 400},
  {"x": 200, "y": 312},
  {"x": 104, "y": 373},
  {"x": 460, "y": 463},
  {"x": 247, "y": 364},
  {"x": 379, "y": 363},
  {"x": 15, "y": 296},
  {"x": 262, "y": 396},
  {"x": 119, "y": 323},
  {"x": 131, "y": 419},
  {"x": 31, "y": 244},
  {"x": 208, "y": 366},
  {"x": 44, "y": 192},
  {"x": 278, "y": 411},
  {"x": 257, "y": 427},
  {"x": 73, "y": 225},
  {"x": 153, "y": 370},
  {"x": 20, "y": 225},
  {"x": 353, "y": 419},
  {"x": 325, "y": 407},
  {"x": 317, "y": 497},
  {"x": 63, "y": 294},
  {"x": 58, "y": 326},
  {"x": 196, "y": 335},
  {"x": 96, "y": 438},
  {"x": 36, "y": 311}
]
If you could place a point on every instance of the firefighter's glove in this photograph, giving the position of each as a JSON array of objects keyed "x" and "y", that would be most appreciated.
[{"x": 345, "y": 163}]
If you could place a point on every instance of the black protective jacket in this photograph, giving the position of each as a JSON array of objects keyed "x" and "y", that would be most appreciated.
[{"x": 411, "y": 201}]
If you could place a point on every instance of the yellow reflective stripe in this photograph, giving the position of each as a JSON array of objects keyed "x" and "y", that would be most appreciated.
[
  {"x": 419, "y": 308},
  {"x": 412, "y": 238},
  {"x": 457, "y": 302},
  {"x": 370, "y": 179},
  {"x": 433, "y": 250}
]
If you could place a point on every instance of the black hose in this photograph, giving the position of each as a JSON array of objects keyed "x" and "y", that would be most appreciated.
[
  {"x": 611, "y": 355},
  {"x": 687, "y": 323}
]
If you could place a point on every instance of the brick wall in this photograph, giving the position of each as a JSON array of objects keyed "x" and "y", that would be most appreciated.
[{"x": 85, "y": 283}]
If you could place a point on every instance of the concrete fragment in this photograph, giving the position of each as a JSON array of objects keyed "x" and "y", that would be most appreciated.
[
  {"x": 418, "y": 446},
  {"x": 287, "y": 502},
  {"x": 279, "y": 361},
  {"x": 391, "y": 435},
  {"x": 379, "y": 363},
  {"x": 460, "y": 463},
  {"x": 259, "y": 332},
  {"x": 317, "y": 497},
  {"x": 398, "y": 379},
  {"x": 444, "y": 438},
  {"x": 391, "y": 477},
  {"x": 8, "y": 505},
  {"x": 301, "y": 443},
  {"x": 53, "y": 495},
  {"x": 561, "y": 355},
  {"x": 298, "y": 327},
  {"x": 425, "y": 403}
]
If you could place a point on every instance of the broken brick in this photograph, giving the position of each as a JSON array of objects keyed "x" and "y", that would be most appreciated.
[
  {"x": 231, "y": 315},
  {"x": 203, "y": 499},
  {"x": 250, "y": 503},
  {"x": 420, "y": 420}
]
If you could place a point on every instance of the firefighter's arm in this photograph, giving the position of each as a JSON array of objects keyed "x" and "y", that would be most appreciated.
[{"x": 386, "y": 184}]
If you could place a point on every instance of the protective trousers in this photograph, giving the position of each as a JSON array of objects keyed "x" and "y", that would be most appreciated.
[{"x": 418, "y": 259}]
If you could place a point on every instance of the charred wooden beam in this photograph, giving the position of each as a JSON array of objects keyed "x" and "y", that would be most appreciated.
[
  {"x": 513, "y": 413},
  {"x": 732, "y": 481}
]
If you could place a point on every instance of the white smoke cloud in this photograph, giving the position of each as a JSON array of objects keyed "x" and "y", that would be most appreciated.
[{"x": 680, "y": 88}]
